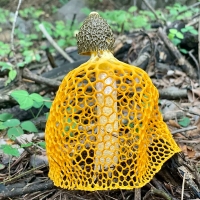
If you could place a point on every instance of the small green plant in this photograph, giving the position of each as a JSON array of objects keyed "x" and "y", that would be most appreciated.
[
  {"x": 176, "y": 36},
  {"x": 4, "y": 14},
  {"x": 27, "y": 101},
  {"x": 9, "y": 150},
  {"x": 179, "y": 12},
  {"x": 31, "y": 12},
  {"x": 12, "y": 71},
  {"x": 5, "y": 49},
  {"x": 189, "y": 29},
  {"x": 15, "y": 127},
  {"x": 126, "y": 19}
]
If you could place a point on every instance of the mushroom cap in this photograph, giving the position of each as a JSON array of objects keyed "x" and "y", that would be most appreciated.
[{"x": 95, "y": 35}]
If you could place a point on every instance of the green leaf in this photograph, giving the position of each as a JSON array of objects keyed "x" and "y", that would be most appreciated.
[
  {"x": 171, "y": 36},
  {"x": 5, "y": 65},
  {"x": 189, "y": 27},
  {"x": 132, "y": 9},
  {"x": 14, "y": 132},
  {"x": 176, "y": 41},
  {"x": 48, "y": 104},
  {"x": 23, "y": 98},
  {"x": 188, "y": 14},
  {"x": 185, "y": 121},
  {"x": 172, "y": 30},
  {"x": 184, "y": 30},
  {"x": 37, "y": 57},
  {"x": 2, "y": 166},
  {"x": 42, "y": 144},
  {"x": 7, "y": 81},
  {"x": 26, "y": 104},
  {"x": 5, "y": 116},
  {"x": 26, "y": 145},
  {"x": 2, "y": 126},
  {"x": 28, "y": 59},
  {"x": 193, "y": 31},
  {"x": 19, "y": 94},
  {"x": 9, "y": 150},
  {"x": 179, "y": 35},
  {"x": 12, "y": 123},
  {"x": 21, "y": 64},
  {"x": 47, "y": 115},
  {"x": 183, "y": 51},
  {"x": 12, "y": 74},
  {"x": 61, "y": 42},
  {"x": 36, "y": 97},
  {"x": 29, "y": 126},
  {"x": 37, "y": 104}
]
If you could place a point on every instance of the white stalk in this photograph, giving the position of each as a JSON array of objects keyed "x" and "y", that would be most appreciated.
[{"x": 106, "y": 155}]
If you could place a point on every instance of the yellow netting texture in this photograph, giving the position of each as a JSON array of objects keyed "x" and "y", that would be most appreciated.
[{"x": 105, "y": 130}]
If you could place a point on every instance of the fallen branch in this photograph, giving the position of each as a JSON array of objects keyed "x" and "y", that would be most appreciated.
[
  {"x": 64, "y": 69},
  {"x": 50, "y": 39},
  {"x": 172, "y": 93},
  {"x": 9, "y": 191},
  {"x": 186, "y": 66},
  {"x": 155, "y": 192},
  {"x": 39, "y": 79},
  {"x": 184, "y": 129}
]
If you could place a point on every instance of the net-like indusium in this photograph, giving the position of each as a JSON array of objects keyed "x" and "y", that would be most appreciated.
[{"x": 104, "y": 129}]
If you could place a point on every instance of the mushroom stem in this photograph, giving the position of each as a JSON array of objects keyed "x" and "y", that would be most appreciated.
[{"x": 107, "y": 136}]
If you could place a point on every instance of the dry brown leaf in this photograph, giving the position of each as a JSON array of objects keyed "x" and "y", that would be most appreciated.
[
  {"x": 174, "y": 123},
  {"x": 190, "y": 152},
  {"x": 194, "y": 110},
  {"x": 196, "y": 91},
  {"x": 183, "y": 148},
  {"x": 178, "y": 81},
  {"x": 191, "y": 96}
]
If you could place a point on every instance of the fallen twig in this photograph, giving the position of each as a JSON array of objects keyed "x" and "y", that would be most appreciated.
[
  {"x": 39, "y": 79},
  {"x": 50, "y": 39},
  {"x": 184, "y": 129},
  {"x": 13, "y": 26},
  {"x": 22, "y": 175},
  {"x": 183, "y": 185},
  {"x": 196, "y": 62}
]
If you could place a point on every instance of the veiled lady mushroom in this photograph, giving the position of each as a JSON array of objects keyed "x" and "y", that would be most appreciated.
[{"x": 105, "y": 130}]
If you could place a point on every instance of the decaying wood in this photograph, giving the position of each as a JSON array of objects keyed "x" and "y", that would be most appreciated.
[
  {"x": 186, "y": 66},
  {"x": 9, "y": 191},
  {"x": 172, "y": 93},
  {"x": 142, "y": 60},
  {"x": 61, "y": 71}
]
